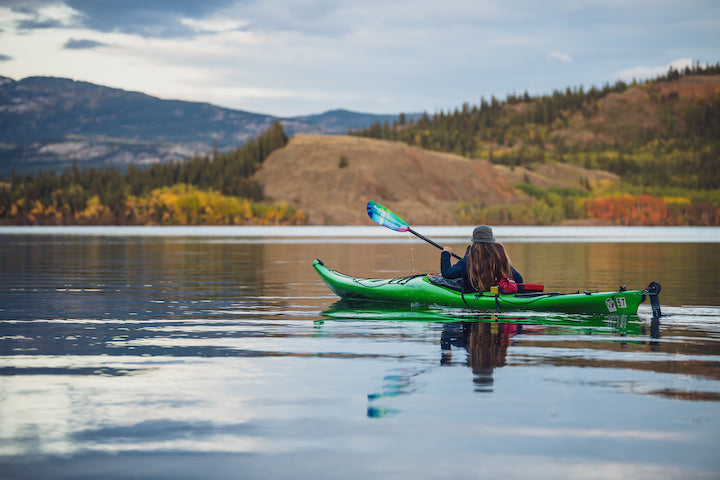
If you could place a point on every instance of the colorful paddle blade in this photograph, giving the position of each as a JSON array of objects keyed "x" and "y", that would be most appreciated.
[{"x": 386, "y": 218}]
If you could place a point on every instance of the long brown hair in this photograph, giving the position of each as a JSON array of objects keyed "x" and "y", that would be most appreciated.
[{"x": 487, "y": 263}]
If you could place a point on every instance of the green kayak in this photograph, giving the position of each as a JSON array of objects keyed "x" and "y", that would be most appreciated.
[{"x": 423, "y": 289}]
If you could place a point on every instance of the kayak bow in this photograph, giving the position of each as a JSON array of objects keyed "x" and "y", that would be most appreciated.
[{"x": 421, "y": 289}]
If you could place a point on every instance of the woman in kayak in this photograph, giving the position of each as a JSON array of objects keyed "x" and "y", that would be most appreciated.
[{"x": 484, "y": 265}]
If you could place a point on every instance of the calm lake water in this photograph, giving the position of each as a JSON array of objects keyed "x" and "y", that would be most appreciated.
[{"x": 218, "y": 353}]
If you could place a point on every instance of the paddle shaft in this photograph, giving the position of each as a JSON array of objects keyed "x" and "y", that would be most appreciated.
[{"x": 431, "y": 242}]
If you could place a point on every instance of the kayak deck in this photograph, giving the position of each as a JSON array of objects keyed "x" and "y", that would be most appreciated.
[{"x": 421, "y": 290}]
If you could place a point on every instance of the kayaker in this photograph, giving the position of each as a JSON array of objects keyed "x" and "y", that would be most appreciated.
[{"x": 484, "y": 265}]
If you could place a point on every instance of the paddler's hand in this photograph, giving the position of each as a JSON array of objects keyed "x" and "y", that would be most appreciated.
[{"x": 447, "y": 249}]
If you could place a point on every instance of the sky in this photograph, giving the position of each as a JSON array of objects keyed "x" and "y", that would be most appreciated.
[{"x": 298, "y": 57}]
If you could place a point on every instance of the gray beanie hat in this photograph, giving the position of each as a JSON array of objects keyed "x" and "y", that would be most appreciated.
[{"x": 483, "y": 234}]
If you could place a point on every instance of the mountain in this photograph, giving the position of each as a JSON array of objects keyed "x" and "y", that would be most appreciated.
[
  {"x": 426, "y": 186},
  {"x": 661, "y": 134},
  {"x": 50, "y": 123},
  {"x": 640, "y": 154},
  {"x": 327, "y": 177}
]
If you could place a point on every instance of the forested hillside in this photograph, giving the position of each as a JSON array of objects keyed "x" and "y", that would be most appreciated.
[
  {"x": 638, "y": 154},
  {"x": 215, "y": 190},
  {"x": 662, "y": 137}
]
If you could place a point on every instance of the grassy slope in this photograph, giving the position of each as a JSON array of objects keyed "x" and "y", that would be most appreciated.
[{"x": 425, "y": 186}]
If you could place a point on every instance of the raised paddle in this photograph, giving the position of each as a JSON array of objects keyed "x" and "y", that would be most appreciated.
[{"x": 387, "y": 218}]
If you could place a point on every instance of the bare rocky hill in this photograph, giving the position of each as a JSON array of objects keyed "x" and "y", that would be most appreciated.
[{"x": 331, "y": 178}]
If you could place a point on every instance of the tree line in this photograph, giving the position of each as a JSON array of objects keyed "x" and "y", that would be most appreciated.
[
  {"x": 679, "y": 153},
  {"x": 521, "y": 130},
  {"x": 197, "y": 190}
]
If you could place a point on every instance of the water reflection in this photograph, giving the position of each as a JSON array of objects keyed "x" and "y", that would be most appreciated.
[
  {"x": 486, "y": 345},
  {"x": 163, "y": 357},
  {"x": 620, "y": 325}
]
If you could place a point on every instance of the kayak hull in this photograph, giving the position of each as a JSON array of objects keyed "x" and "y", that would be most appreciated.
[{"x": 418, "y": 289}]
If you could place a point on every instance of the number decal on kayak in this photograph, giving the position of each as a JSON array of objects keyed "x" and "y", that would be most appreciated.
[
  {"x": 610, "y": 305},
  {"x": 621, "y": 303}
]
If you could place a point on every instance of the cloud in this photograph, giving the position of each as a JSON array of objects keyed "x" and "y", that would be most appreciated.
[
  {"x": 563, "y": 57},
  {"x": 159, "y": 18},
  {"x": 642, "y": 72},
  {"x": 82, "y": 44},
  {"x": 213, "y": 25},
  {"x": 40, "y": 15},
  {"x": 5, "y": 58},
  {"x": 294, "y": 57},
  {"x": 35, "y": 24}
]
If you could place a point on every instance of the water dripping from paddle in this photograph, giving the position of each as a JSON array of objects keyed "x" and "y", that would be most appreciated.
[{"x": 412, "y": 253}]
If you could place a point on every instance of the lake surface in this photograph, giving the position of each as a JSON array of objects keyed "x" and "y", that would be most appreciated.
[{"x": 218, "y": 353}]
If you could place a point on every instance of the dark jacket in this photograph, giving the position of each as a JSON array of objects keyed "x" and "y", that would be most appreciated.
[{"x": 459, "y": 270}]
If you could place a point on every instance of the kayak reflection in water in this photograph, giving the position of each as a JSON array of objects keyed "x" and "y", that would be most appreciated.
[
  {"x": 486, "y": 345},
  {"x": 484, "y": 265}
]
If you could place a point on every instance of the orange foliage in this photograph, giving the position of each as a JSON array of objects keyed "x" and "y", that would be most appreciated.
[{"x": 626, "y": 209}]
